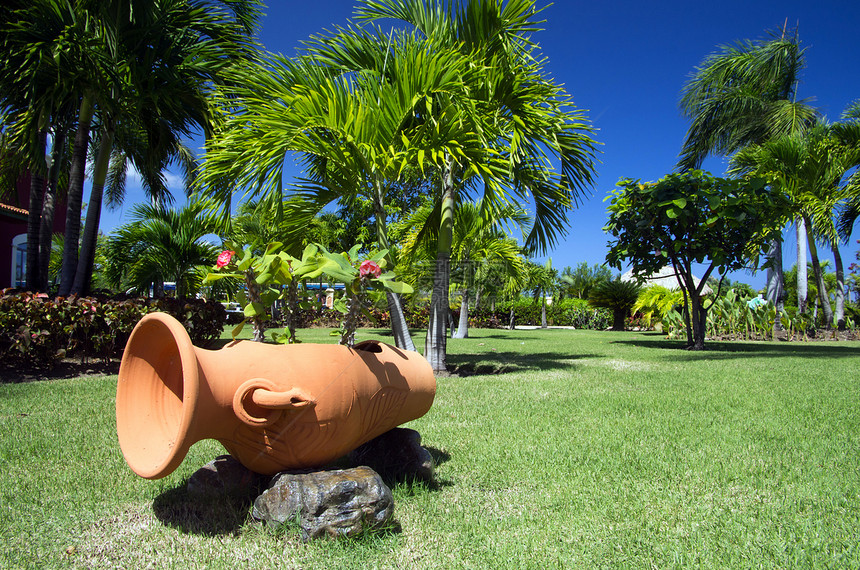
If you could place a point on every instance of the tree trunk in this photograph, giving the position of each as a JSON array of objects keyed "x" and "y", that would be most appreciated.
[
  {"x": 86, "y": 261},
  {"x": 34, "y": 213},
  {"x": 75, "y": 197},
  {"x": 826, "y": 309},
  {"x": 699, "y": 319},
  {"x": 46, "y": 227},
  {"x": 839, "y": 314},
  {"x": 618, "y": 319},
  {"x": 802, "y": 279},
  {"x": 463, "y": 325},
  {"x": 543, "y": 311},
  {"x": 436, "y": 347},
  {"x": 396, "y": 318},
  {"x": 512, "y": 319},
  {"x": 399, "y": 326},
  {"x": 775, "y": 279}
]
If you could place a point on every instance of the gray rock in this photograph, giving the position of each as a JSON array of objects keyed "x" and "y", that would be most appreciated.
[
  {"x": 344, "y": 502},
  {"x": 397, "y": 455},
  {"x": 225, "y": 476}
]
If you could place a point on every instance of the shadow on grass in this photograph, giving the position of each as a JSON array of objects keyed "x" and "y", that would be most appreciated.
[
  {"x": 212, "y": 516},
  {"x": 222, "y": 514},
  {"x": 723, "y": 350},
  {"x": 507, "y": 362}
]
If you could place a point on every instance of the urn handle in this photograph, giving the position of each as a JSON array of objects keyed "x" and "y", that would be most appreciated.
[{"x": 258, "y": 403}]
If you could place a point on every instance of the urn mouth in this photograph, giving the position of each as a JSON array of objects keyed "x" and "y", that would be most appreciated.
[{"x": 157, "y": 393}]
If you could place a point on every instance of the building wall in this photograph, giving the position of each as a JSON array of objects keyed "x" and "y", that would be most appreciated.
[{"x": 14, "y": 224}]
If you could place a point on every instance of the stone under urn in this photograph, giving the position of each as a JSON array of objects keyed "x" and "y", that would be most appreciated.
[{"x": 273, "y": 407}]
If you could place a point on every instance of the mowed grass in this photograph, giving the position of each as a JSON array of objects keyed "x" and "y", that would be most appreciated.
[{"x": 555, "y": 448}]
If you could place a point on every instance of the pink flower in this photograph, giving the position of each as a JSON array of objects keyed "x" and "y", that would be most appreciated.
[
  {"x": 224, "y": 258},
  {"x": 369, "y": 268}
]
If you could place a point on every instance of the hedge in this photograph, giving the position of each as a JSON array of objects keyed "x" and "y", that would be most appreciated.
[{"x": 36, "y": 331}]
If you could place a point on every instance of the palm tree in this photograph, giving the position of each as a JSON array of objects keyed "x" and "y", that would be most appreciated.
[
  {"x": 166, "y": 53},
  {"x": 617, "y": 295},
  {"x": 356, "y": 133},
  {"x": 43, "y": 64},
  {"x": 161, "y": 244},
  {"x": 525, "y": 116},
  {"x": 810, "y": 168},
  {"x": 579, "y": 282},
  {"x": 745, "y": 94},
  {"x": 107, "y": 58},
  {"x": 478, "y": 241}
]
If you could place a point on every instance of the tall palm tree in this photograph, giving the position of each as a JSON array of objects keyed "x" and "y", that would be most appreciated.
[
  {"x": 166, "y": 55},
  {"x": 847, "y": 131},
  {"x": 108, "y": 59},
  {"x": 355, "y": 132},
  {"x": 745, "y": 94},
  {"x": 526, "y": 119}
]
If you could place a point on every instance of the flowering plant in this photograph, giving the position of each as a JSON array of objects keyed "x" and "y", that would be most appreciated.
[
  {"x": 369, "y": 269},
  {"x": 267, "y": 277},
  {"x": 358, "y": 277},
  {"x": 224, "y": 258}
]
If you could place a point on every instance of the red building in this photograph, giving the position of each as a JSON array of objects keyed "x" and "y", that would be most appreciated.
[{"x": 13, "y": 234}]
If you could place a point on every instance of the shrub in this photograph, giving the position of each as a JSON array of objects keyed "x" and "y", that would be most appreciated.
[{"x": 36, "y": 331}]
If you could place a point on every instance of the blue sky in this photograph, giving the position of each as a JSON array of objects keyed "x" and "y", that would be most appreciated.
[{"x": 625, "y": 63}]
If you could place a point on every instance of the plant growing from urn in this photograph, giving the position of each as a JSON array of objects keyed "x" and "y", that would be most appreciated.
[
  {"x": 266, "y": 278},
  {"x": 358, "y": 276}
]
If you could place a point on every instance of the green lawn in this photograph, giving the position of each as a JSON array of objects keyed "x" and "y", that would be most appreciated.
[{"x": 555, "y": 448}]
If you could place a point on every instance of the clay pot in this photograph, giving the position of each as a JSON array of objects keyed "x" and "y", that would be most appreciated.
[{"x": 273, "y": 407}]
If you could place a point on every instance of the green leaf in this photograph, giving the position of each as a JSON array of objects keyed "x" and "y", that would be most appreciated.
[
  {"x": 254, "y": 309},
  {"x": 398, "y": 287}
]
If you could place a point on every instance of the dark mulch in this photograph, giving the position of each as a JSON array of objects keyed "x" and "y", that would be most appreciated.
[{"x": 66, "y": 368}]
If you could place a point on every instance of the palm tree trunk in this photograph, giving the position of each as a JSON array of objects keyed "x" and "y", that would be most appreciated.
[
  {"x": 34, "y": 214},
  {"x": 802, "y": 279},
  {"x": 86, "y": 261},
  {"x": 46, "y": 227},
  {"x": 463, "y": 325},
  {"x": 396, "y": 317},
  {"x": 436, "y": 347},
  {"x": 840, "y": 288},
  {"x": 826, "y": 309},
  {"x": 75, "y": 197},
  {"x": 775, "y": 279}
]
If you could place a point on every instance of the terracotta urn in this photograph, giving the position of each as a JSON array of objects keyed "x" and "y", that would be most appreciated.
[{"x": 273, "y": 407}]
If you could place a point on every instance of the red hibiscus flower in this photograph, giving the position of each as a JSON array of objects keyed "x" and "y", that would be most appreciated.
[
  {"x": 369, "y": 268},
  {"x": 224, "y": 258}
]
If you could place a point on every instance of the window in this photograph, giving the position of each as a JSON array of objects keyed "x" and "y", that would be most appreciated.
[{"x": 19, "y": 260}]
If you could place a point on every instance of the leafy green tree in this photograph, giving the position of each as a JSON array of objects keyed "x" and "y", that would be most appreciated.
[
  {"x": 618, "y": 296},
  {"x": 690, "y": 218}
]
